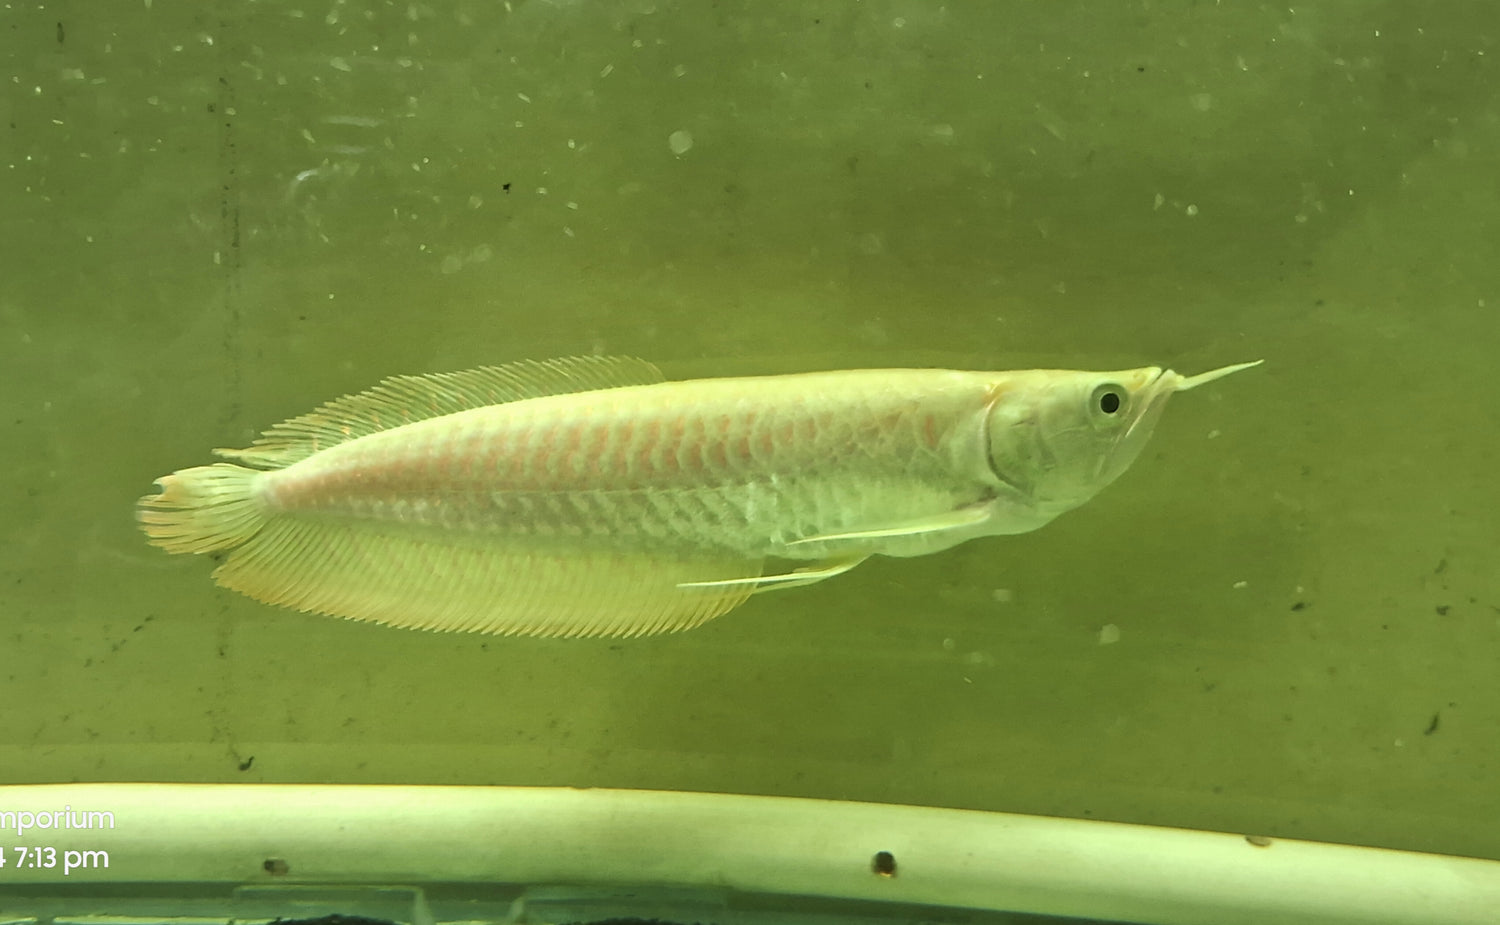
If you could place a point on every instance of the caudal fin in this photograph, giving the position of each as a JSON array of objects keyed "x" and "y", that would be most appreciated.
[{"x": 202, "y": 509}]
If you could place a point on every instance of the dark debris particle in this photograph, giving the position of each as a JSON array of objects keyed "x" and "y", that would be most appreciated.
[
  {"x": 278, "y": 867},
  {"x": 245, "y": 765},
  {"x": 1259, "y": 841},
  {"x": 883, "y": 864},
  {"x": 1433, "y": 726},
  {"x": 1442, "y": 610},
  {"x": 1300, "y": 605}
]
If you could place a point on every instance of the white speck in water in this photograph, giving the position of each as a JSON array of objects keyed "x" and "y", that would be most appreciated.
[
  {"x": 541, "y": 190},
  {"x": 1241, "y": 585},
  {"x": 475, "y": 201},
  {"x": 1109, "y": 634},
  {"x": 1002, "y": 595},
  {"x": 608, "y": 69},
  {"x": 679, "y": 70},
  {"x": 567, "y": 231},
  {"x": 899, "y": 22},
  {"x": 1191, "y": 210},
  {"x": 573, "y": 206},
  {"x": 339, "y": 64},
  {"x": 1158, "y": 202},
  {"x": 680, "y": 142},
  {"x": 942, "y": 131},
  {"x": 523, "y": 97},
  {"x": 949, "y": 644},
  {"x": 1213, "y": 435}
]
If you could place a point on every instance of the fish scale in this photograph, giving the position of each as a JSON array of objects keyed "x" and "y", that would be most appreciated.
[{"x": 710, "y": 461}]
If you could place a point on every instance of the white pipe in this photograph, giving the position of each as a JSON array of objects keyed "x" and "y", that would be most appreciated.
[{"x": 521, "y": 835}]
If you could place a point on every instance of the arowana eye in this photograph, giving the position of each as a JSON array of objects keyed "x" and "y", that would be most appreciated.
[{"x": 1109, "y": 399}]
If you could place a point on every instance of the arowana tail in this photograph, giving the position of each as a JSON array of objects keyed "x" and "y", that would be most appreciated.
[{"x": 203, "y": 509}]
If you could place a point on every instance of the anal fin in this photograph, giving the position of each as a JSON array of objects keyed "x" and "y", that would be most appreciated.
[{"x": 432, "y": 580}]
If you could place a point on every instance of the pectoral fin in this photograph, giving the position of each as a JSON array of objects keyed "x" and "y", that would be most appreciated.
[
  {"x": 937, "y": 523},
  {"x": 796, "y": 578}
]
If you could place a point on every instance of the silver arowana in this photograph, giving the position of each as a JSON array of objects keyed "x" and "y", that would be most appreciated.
[{"x": 588, "y": 497}]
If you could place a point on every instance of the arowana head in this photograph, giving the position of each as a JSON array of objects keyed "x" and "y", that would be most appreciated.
[{"x": 1058, "y": 437}]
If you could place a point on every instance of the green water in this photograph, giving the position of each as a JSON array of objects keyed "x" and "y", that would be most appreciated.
[{"x": 214, "y": 216}]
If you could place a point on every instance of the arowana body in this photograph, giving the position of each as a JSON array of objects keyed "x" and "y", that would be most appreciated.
[{"x": 587, "y": 496}]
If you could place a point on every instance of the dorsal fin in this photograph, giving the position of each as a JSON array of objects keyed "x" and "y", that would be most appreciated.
[{"x": 403, "y": 399}]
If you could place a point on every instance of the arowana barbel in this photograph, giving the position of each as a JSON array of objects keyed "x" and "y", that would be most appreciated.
[{"x": 589, "y": 497}]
